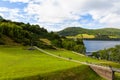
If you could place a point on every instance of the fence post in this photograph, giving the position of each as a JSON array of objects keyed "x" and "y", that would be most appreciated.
[{"x": 113, "y": 76}]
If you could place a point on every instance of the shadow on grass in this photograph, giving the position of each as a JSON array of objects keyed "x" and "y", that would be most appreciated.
[
  {"x": 82, "y": 72},
  {"x": 117, "y": 76}
]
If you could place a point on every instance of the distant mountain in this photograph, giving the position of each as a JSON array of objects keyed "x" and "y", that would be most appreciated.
[{"x": 73, "y": 31}]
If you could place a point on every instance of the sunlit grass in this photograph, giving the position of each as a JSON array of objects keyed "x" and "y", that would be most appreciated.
[
  {"x": 82, "y": 36},
  {"x": 19, "y": 62},
  {"x": 71, "y": 54},
  {"x": 85, "y": 36},
  {"x": 23, "y": 64}
]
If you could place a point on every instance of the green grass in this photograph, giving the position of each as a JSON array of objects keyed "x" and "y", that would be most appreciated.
[
  {"x": 85, "y": 36},
  {"x": 19, "y": 63},
  {"x": 89, "y": 36},
  {"x": 70, "y": 54},
  {"x": 117, "y": 76},
  {"x": 48, "y": 42},
  {"x": 82, "y": 36}
]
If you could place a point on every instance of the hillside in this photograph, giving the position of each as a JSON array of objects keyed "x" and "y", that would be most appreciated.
[
  {"x": 105, "y": 32},
  {"x": 19, "y": 33},
  {"x": 18, "y": 63}
]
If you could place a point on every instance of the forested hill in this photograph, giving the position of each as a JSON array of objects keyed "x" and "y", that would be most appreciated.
[
  {"x": 19, "y": 33},
  {"x": 73, "y": 31}
]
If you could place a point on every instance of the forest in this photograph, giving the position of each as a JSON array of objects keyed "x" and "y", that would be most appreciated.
[{"x": 27, "y": 34}]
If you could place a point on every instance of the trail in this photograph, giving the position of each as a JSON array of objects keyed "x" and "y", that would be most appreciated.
[
  {"x": 57, "y": 56},
  {"x": 68, "y": 59}
]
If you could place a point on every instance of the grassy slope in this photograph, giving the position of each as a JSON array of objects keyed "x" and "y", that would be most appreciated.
[
  {"x": 88, "y": 36},
  {"x": 70, "y": 54},
  {"x": 19, "y": 63},
  {"x": 82, "y": 36},
  {"x": 8, "y": 41}
]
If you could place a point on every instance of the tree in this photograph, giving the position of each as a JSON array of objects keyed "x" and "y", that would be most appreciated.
[{"x": 112, "y": 54}]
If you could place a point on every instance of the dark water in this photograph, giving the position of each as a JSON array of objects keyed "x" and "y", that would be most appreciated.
[{"x": 95, "y": 45}]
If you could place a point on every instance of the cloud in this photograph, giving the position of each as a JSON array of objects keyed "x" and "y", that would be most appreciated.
[
  {"x": 111, "y": 20},
  {"x": 13, "y": 1},
  {"x": 57, "y": 11},
  {"x": 52, "y": 11},
  {"x": 11, "y": 14},
  {"x": 58, "y": 14}
]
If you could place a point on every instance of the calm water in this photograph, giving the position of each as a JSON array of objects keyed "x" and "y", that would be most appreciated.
[{"x": 94, "y": 45}]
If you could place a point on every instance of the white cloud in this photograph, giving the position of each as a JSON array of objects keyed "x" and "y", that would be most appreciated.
[
  {"x": 54, "y": 11},
  {"x": 111, "y": 19},
  {"x": 51, "y": 12},
  {"x": 57, "y": 11},
  {"x": 11, "y": 14},
  {"x": 23, "y": 1}
]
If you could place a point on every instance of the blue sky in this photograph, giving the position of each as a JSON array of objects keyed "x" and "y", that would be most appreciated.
[
  {"x": 12, "y": 5},
  {"x": 55, "y": 15}
]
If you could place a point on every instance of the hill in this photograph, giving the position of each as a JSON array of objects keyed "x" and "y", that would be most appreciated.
[
  {"x": 18, "y": 63},
  {"x": 19, "y": 33},
  {"x": 101, "y": 33}
]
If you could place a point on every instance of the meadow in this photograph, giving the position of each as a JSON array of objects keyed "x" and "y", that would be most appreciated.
[
  {"x": 88, "y": 36},
  {"x": 19, "y": 63},
  {"x": 82, "y": 36},
  {"x": 83, "y": 58}
]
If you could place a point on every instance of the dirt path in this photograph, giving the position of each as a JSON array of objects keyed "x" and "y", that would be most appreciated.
[
  {"x": 69, "y": 59},
  {"x": 57, "y": 56}
]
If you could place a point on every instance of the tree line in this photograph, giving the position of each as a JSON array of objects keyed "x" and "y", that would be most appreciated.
[{"x": 111, "y": 54}]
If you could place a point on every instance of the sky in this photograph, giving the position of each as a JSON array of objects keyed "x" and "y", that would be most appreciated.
[{"x": 55, "y": 15}]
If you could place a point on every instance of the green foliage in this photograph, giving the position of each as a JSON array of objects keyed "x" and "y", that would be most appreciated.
[
  {"x": 1, "y": 42},
  {"x": 72, "y": 31},
  {"x": 99, "y": 36},
  {"x": 112, "y": 54},
  {"x": 1, "y": 18},
  {"x": 75, "y": 45},
  {"x": 27, "y": 34},
  {"x": 99, "y": 33},
  {"x": 95, "y": 54}
]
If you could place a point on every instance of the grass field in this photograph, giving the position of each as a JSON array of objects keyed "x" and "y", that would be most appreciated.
[
  {"x": 82, "y": 36},
  {"x": 89, "y": 36},
  {"x": 18, "y": 63},
  {"x": 85, "y": 36},
  {"x": 82, "y": 58}
]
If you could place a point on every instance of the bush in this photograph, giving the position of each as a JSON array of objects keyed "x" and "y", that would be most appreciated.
[{"x": 1, "y": 42}]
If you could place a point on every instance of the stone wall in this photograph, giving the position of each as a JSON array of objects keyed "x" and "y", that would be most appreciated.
[{"x": 104, "y": 72}]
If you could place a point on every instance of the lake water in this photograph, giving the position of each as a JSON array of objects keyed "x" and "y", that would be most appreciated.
[{"x": 95, "y": 45}]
